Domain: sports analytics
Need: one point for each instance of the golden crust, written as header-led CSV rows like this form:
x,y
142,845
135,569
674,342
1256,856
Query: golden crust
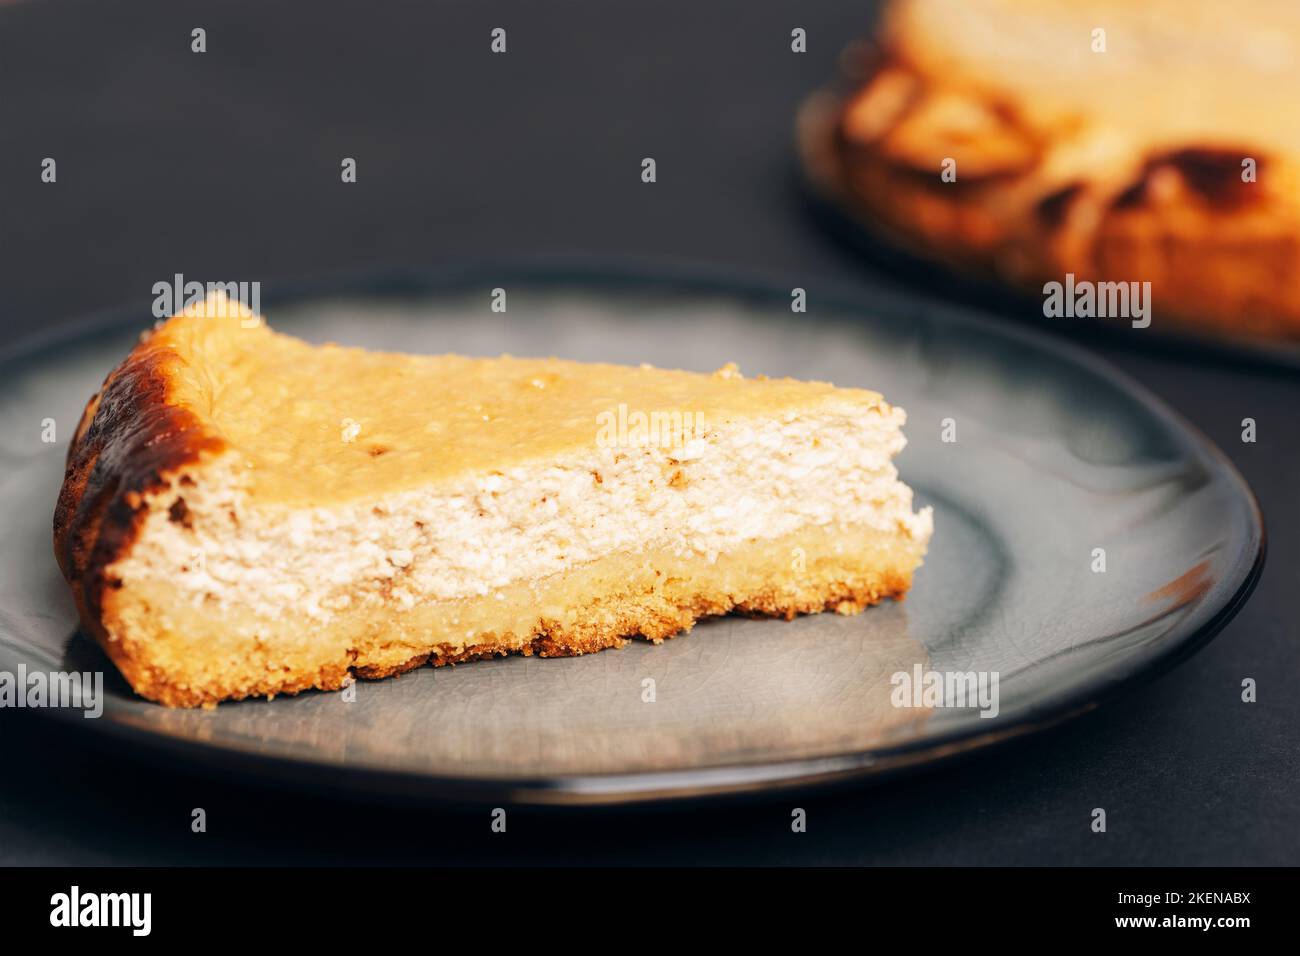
x,y
648,605
1041,192
639,619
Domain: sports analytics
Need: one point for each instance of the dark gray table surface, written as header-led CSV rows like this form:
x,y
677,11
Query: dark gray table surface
x,y
226,165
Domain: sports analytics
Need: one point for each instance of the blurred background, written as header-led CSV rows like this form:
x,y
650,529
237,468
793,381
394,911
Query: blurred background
x,y
227,165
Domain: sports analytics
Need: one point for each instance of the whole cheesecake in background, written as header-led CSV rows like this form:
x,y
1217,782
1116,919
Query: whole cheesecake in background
x,y
246,514
1116,141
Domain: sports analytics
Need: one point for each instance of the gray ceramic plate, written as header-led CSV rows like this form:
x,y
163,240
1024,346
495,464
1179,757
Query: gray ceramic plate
x,y
1056,455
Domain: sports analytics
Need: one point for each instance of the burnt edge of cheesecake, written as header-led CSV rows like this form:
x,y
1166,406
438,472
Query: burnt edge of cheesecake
x,y
130,441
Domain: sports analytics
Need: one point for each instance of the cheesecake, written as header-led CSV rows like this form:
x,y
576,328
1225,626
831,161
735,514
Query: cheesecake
x,y
1111,141
246,514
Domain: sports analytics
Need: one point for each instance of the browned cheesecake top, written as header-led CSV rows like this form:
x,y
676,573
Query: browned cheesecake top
x,y
315,424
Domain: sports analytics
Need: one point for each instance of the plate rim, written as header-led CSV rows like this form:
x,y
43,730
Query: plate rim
x,y
446,277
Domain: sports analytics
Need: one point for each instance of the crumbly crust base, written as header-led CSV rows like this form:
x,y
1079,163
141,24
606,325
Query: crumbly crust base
x,y
656,622
183,655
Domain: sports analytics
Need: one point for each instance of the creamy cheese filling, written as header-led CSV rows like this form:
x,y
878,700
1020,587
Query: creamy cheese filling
x,y
738,481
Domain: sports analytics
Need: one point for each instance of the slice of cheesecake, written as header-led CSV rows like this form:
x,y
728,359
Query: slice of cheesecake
x,y
246,514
